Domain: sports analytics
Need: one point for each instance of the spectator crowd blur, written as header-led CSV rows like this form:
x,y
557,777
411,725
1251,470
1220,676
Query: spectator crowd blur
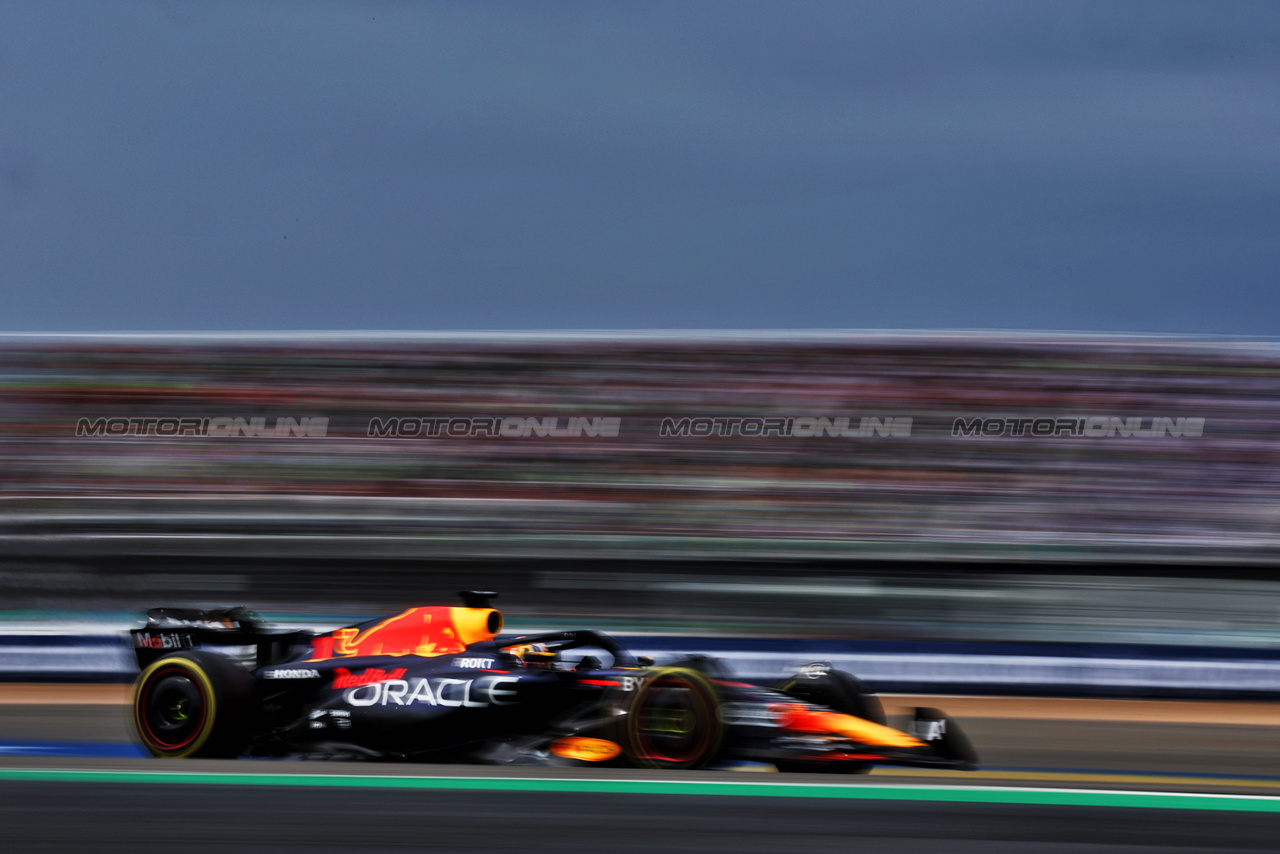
x,y
925,492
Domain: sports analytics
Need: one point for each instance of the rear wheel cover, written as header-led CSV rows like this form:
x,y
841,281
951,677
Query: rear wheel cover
x,y
174,707
672,721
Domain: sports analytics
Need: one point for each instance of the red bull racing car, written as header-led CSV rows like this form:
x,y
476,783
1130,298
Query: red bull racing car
x,y
440,684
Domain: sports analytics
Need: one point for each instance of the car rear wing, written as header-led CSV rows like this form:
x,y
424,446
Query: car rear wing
x,y
176,629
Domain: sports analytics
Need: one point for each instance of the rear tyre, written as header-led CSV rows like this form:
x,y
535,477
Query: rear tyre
x,y
193,704
671,721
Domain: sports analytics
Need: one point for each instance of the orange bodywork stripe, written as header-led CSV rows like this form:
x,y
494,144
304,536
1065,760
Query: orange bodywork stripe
x,y
800,719
585,749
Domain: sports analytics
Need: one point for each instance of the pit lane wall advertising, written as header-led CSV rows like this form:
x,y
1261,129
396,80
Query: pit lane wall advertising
x,y
1066,670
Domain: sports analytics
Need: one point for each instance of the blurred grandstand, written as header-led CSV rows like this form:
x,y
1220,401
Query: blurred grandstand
x,y
931,495
581,503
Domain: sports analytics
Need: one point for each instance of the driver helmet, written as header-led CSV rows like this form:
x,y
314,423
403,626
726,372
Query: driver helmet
x,y
537,656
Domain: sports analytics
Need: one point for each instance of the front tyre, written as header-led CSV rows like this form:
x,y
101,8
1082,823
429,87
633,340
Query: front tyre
x,y
672,721
192,704
837,690
841,692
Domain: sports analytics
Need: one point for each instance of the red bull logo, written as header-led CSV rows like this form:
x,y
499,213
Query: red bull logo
x,y
427,631
344,678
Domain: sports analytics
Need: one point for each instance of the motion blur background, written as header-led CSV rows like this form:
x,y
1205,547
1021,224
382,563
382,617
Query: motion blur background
x,y
592,223
186,174
1159,542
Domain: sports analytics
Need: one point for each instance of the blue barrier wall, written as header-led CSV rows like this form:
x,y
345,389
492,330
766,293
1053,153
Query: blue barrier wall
x,y
944,668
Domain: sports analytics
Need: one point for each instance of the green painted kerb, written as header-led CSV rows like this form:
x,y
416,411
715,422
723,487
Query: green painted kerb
x,y
1055,797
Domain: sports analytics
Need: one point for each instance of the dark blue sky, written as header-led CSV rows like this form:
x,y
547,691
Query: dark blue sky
x,y
447,166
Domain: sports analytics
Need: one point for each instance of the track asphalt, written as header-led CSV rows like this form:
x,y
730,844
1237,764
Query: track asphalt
x,y
1060,776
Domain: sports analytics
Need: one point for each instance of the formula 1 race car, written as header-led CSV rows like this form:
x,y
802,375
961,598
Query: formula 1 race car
x,y
439,684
